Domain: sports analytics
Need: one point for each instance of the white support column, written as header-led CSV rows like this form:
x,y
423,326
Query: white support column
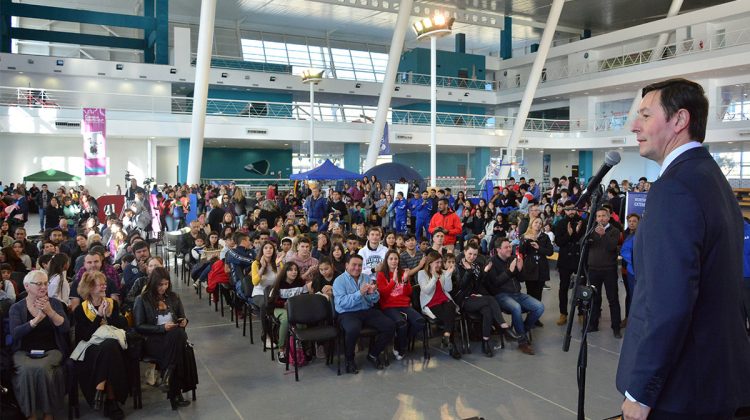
x,y
200,92
312,125
656,54
433,110
534,76
389,81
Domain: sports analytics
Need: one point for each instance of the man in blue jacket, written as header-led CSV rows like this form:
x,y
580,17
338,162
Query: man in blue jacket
x,y
316,206
240,258
686,353
423,212
354,299
399,206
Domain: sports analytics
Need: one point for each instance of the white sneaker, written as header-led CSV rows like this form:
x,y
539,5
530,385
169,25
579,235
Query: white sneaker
x,y
151,376
398,355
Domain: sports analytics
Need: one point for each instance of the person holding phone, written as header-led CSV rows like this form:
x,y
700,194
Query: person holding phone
x,y
39,328
160,317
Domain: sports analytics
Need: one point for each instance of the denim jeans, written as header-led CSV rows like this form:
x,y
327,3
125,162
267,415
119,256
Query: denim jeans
x,y
517,304
411,325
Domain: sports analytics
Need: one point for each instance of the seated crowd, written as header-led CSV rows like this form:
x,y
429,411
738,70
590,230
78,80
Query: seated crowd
x,y
386,262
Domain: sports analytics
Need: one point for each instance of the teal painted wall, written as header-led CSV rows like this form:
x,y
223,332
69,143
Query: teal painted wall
x,y
241,107
585,164
183,151
479,162
447,163
449,120
226,163
449,63
351,157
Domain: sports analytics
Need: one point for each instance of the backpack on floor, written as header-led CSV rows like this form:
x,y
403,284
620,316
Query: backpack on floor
x,y
298,358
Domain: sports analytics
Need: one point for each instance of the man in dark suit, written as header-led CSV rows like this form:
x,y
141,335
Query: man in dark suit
x,y
685,353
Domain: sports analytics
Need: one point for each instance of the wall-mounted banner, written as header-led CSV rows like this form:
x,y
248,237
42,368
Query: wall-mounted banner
x,y
94,130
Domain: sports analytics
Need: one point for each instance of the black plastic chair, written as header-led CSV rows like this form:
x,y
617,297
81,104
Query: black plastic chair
x,y
313,311
432,323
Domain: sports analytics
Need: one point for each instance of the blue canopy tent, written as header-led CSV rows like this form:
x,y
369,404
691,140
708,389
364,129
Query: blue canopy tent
x,y
325,171
393,172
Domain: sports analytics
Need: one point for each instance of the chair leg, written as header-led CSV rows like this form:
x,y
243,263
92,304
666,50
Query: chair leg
x,y
294,352
221,302
250,321
426,343
338,350
244,320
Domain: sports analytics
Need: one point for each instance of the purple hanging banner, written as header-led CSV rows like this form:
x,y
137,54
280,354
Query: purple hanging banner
x,y
94,130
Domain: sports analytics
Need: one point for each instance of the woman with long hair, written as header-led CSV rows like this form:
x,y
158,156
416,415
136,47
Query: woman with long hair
x,y
338,257
19,249
435,299
10,256
535,247
53,213
57,270
240,205
323,247
289,283
264,272
160,318
395,302
460,204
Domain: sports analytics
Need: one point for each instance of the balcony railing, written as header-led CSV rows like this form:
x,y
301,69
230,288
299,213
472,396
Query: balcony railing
x,y
54,99
629,58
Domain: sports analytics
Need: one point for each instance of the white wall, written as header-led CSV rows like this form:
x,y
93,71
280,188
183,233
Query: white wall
x,y
24,154
166,164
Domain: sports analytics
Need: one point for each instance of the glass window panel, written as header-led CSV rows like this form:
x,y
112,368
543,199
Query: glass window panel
x,y
352,113
365,76
345,74
342,59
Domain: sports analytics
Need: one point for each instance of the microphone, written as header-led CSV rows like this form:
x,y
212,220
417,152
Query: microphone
x,y
611,159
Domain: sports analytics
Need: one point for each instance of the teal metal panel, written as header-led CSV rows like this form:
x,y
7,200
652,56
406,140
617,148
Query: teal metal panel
x,y
480,162
73,38
149,32
585,164
506,39
5,22
351,157
183,154
75,15
162,32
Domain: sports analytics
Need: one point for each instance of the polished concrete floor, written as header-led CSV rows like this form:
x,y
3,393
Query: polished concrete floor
x,y
238,380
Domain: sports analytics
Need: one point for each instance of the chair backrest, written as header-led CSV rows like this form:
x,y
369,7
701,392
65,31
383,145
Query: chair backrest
x,y
308,309
171,238
415,293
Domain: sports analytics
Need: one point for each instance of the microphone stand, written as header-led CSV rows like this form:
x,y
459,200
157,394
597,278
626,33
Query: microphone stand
x,y
582,297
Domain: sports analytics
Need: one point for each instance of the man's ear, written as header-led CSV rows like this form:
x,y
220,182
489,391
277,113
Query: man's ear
x,y
681,120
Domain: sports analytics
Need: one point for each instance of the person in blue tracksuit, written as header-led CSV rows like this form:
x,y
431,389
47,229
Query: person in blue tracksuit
x,y
423,211
399,206
316,207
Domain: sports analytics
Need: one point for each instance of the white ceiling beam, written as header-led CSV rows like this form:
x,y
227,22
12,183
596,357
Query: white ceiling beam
x,y
111,32
462,15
